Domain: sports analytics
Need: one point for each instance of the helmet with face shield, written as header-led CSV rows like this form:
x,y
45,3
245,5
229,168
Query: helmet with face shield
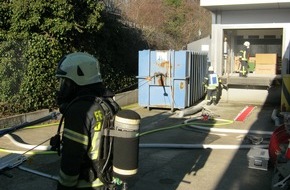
x,y
81,68
76,69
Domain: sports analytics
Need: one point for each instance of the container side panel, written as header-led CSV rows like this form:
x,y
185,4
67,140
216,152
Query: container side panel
x,y
160,96
180,69
143,92
161,66
143,72
180,64
180,94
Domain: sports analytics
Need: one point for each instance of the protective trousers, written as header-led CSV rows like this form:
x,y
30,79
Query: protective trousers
x,y
244,68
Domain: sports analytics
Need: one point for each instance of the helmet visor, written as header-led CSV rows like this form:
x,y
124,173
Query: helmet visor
x,y
59,71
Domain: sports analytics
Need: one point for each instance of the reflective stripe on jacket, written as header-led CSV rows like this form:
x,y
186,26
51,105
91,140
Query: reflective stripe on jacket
x,y
84,121
75,136
243,52
79,145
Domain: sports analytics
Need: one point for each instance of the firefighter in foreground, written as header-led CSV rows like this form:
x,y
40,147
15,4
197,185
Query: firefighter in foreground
x,y
90,115
212,87
244,56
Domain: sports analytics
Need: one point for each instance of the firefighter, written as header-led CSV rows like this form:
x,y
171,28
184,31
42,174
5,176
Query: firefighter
x,y
80,84
212,86
244,56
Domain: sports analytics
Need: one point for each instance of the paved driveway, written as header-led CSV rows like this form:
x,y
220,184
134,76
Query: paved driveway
x,y
173,158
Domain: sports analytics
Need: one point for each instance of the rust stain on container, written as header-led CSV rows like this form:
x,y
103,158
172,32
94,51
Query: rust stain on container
x,y
165,64
161,80
181,85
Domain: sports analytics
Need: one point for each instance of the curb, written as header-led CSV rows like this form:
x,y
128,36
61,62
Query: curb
x,y
22,118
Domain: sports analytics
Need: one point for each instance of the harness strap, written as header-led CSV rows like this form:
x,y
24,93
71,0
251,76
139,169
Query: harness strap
x,y
121,134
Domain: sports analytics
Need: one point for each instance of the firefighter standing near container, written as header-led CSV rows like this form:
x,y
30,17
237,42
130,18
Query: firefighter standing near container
x,y
212,87
82,99
244,57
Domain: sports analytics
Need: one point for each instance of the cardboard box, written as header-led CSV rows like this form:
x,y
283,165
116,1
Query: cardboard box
x,y
258,158
237,64
266,58
265,69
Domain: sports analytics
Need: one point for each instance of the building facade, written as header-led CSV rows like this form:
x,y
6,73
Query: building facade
x,y
266,25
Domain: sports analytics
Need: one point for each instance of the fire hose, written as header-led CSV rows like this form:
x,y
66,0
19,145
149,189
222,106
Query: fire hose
x,y
5,131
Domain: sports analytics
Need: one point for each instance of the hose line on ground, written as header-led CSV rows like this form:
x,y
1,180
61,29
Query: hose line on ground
x,y
190,123
205,146
40,149
224,122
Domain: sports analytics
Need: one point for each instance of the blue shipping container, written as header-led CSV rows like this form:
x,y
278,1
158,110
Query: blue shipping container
x,y
165,78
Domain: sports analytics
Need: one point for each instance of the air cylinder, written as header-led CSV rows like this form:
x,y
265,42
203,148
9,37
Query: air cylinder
x,y
126,144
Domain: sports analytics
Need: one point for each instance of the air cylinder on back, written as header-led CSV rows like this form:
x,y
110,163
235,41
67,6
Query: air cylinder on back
x,y
126,144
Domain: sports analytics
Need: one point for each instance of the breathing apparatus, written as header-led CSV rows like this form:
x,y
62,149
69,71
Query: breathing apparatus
x,y
119,142
126,144
118,145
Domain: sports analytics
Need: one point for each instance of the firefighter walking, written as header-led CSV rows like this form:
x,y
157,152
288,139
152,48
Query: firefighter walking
x,y
244,56
212,87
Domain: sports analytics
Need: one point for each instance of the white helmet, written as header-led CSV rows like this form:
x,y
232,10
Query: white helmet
x,y
246,43
210,68
81,68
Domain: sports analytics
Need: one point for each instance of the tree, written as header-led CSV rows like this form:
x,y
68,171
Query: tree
x,y
168,24
35,34
47,30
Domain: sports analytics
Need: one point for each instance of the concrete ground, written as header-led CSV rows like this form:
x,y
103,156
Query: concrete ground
x,y
161,167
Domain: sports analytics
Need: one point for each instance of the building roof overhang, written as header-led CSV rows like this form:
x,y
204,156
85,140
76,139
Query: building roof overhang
x,y
225,5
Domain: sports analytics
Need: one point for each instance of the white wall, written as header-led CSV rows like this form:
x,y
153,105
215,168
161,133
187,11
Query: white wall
x,y
217,41
243,2
255,16
248,14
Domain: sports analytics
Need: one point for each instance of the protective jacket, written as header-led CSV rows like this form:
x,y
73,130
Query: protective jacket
x,y
84,119
244,54
211,82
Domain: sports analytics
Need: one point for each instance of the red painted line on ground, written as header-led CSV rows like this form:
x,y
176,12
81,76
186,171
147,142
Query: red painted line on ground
x,y
244,113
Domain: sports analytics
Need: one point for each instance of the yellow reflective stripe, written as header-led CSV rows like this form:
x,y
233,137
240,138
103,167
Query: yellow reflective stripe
x,y
77,137
99,118
94,151
85,184
98,115
98,126
244,56
68,180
